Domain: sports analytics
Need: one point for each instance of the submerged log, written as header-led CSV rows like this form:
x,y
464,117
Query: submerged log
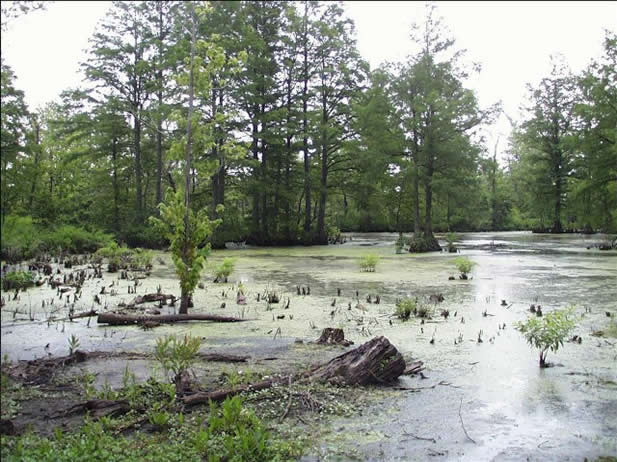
x,y
114,319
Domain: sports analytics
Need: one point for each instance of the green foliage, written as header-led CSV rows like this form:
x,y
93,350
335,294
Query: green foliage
x,y
73,344
121,257
176,355
23,238
235,433
463,265
451,238
224,270
20,239
369,262
405,308
187,252
547,332
72,239
17,280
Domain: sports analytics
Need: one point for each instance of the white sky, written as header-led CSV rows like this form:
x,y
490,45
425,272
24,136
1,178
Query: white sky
x,y
512,41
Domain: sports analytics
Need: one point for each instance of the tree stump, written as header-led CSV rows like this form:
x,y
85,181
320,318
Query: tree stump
x,y
376,361
333,336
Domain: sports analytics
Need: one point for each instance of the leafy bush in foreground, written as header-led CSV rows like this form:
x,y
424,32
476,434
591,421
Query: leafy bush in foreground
x,y
547,332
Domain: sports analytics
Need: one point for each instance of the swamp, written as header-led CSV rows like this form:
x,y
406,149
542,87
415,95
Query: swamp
x,y
480,394
251,231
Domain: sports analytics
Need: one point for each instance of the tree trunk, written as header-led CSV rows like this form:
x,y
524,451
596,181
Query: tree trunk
x,y
307,160
114,179
375,362
187,251
138,170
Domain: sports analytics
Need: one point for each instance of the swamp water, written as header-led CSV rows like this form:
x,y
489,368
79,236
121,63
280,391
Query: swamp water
x,y
479,401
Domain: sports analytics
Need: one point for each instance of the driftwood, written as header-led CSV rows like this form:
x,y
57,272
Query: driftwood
x,y
40,371
98,408
376,361
333,336
114,319
216,357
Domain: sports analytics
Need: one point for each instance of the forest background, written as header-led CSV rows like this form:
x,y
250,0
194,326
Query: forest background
x,y
295,137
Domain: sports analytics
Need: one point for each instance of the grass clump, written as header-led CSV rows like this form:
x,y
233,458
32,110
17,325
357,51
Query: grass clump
x,y
464,266
17,280
224,270
405,308
121,257
548,332
369,262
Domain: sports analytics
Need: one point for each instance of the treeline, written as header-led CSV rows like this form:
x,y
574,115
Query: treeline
x,y
296,137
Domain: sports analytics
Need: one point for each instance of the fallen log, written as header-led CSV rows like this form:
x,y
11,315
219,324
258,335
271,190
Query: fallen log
x,y
376,361
40,371
114,319
216,357
98,408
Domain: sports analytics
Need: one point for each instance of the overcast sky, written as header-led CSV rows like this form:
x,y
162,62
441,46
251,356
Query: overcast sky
x,y
512,40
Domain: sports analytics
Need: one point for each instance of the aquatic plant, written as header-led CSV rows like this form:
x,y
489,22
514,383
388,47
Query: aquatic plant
x,y
548,332
73,344
224,270
369,262
405,308
464,266
17,280
176,355
451,238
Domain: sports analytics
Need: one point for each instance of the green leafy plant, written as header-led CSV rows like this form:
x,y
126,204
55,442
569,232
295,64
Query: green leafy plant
x,y
464,266
235,433
224,270
547,332
369,262
405,308
451,238
17,280
73,344
176,355
159,418
187,232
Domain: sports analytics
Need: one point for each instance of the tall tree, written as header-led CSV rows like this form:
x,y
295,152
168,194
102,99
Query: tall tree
x,y
548,131
340,75
14,128
119,66
442,113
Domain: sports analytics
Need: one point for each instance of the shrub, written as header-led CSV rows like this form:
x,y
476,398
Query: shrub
x,y
463,265
72,239
224,270
17,280
405,308
19,239
451,238
548,332
369,262
175,355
